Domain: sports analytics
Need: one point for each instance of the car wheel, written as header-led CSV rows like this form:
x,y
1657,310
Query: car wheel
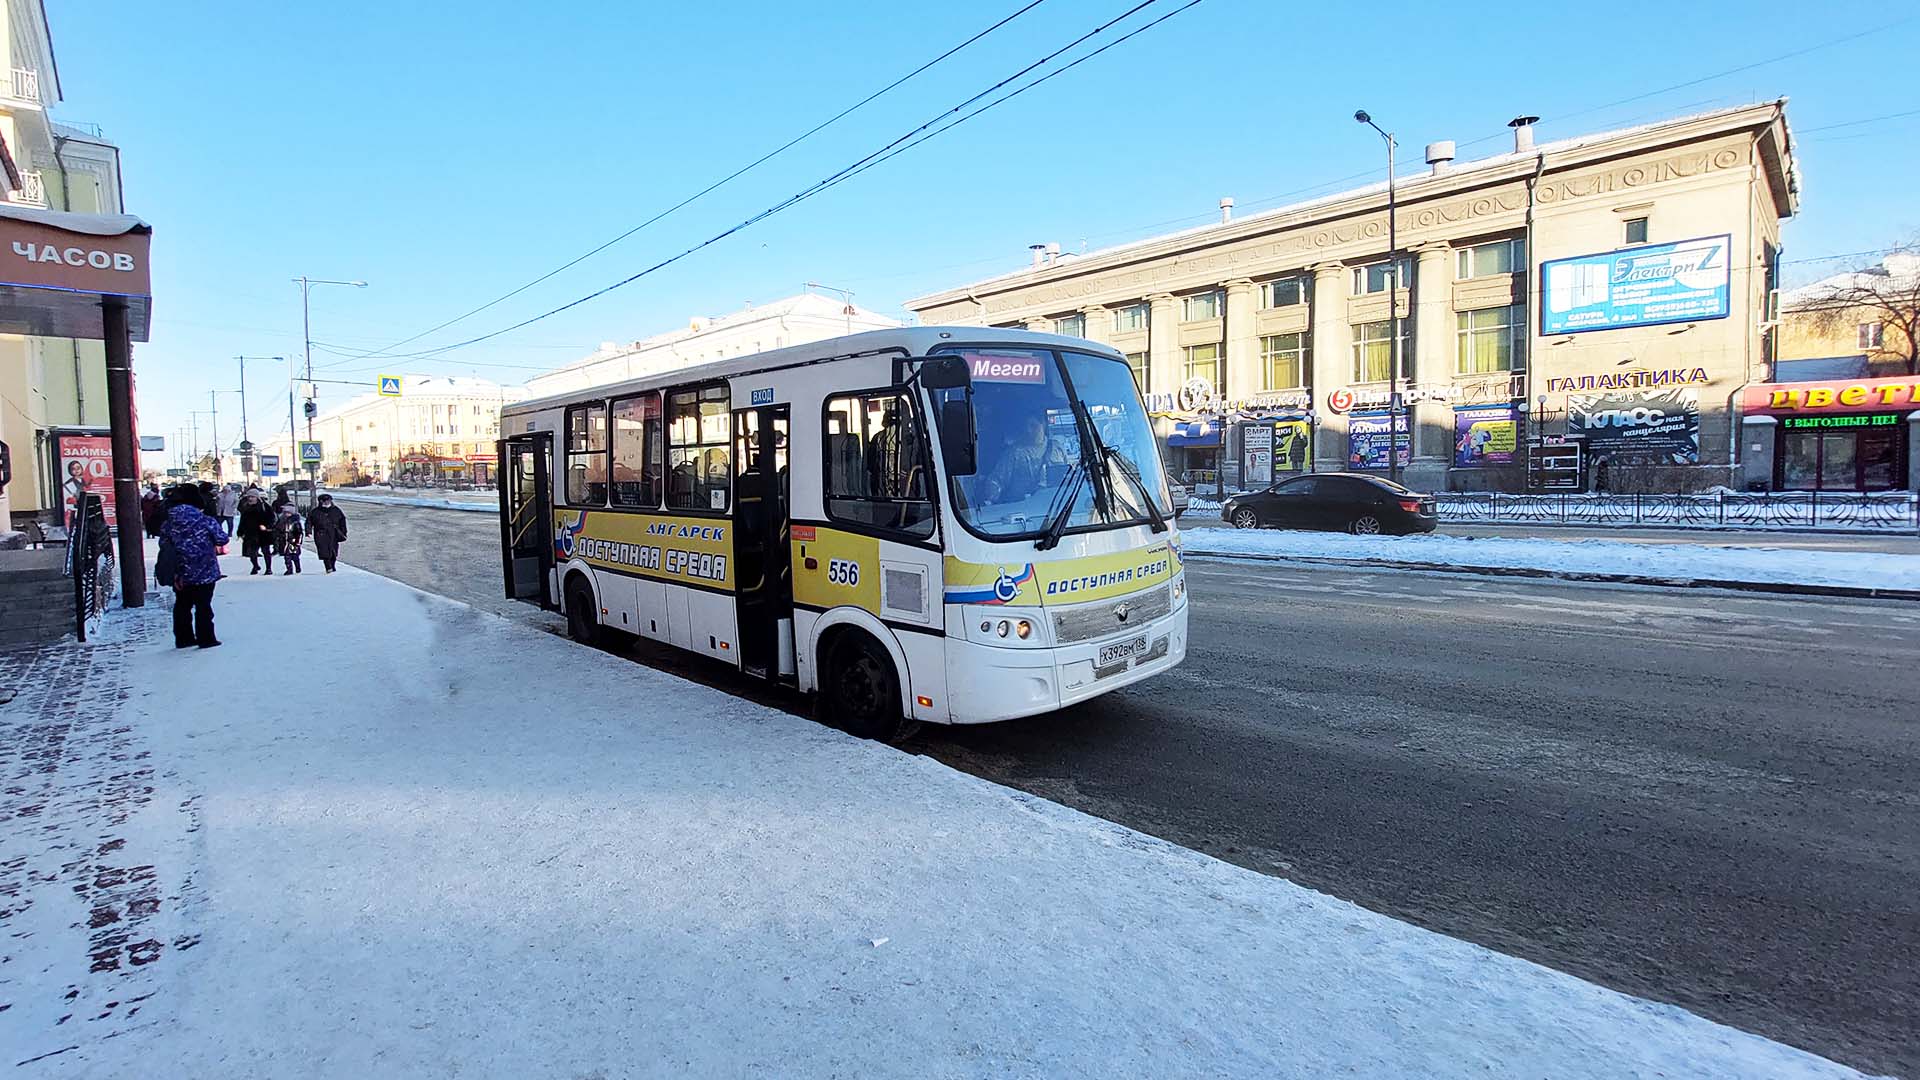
x,y
1245,518
862,693
583,625
1364,525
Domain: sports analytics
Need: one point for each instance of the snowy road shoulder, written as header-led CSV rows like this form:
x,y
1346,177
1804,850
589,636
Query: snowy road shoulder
x,y
475,504
1573,556
479,849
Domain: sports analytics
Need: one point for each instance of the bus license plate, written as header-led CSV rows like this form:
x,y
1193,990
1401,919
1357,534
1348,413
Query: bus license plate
x,y
1121,650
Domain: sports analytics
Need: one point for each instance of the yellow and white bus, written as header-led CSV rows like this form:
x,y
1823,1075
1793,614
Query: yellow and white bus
x,y
944,524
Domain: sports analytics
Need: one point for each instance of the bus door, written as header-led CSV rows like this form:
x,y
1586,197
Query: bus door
x,y
762,559
526,516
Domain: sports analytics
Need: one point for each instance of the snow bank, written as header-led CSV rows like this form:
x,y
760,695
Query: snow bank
x,y
473,848
1688,561
483,504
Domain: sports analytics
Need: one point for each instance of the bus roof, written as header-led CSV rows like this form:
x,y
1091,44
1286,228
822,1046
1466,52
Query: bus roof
x,y
908,340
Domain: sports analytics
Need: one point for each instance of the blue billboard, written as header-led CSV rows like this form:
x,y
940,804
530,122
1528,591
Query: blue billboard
x,y
1638,286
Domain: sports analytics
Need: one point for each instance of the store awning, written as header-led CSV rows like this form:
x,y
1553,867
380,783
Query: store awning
x,y
56,269
1194,433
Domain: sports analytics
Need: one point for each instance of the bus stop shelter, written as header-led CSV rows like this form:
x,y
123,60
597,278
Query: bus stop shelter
x,y
87,276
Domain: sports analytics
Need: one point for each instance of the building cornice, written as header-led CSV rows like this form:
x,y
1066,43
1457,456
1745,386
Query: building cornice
x,y
1557,157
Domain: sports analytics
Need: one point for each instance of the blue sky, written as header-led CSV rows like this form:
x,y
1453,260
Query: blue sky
x,y
447,153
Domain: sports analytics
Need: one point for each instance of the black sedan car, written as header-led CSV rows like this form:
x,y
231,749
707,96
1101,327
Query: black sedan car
x,y
1358,503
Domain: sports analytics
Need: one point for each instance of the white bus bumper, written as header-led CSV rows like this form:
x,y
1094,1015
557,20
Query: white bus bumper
x,y
986,683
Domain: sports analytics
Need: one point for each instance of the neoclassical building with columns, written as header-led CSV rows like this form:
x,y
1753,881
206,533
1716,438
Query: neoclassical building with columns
x,y
1591,306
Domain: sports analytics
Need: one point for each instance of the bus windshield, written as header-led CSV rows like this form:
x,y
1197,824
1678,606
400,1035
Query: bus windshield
x,y
1031,450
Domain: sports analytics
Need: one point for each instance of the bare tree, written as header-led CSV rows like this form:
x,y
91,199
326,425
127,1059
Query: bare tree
x,y
1886,293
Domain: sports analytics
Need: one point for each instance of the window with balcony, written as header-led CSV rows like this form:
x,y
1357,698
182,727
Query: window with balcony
x,y
1205,305
1284,358
1487,260
1492,339
1283,292
1130,319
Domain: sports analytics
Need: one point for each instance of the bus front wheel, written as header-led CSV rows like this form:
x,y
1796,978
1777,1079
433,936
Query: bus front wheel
x,y
583,625
861,693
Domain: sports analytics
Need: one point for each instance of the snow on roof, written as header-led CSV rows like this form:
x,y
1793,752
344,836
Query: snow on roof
x,y
1403,184
89,224
812,304
1898,270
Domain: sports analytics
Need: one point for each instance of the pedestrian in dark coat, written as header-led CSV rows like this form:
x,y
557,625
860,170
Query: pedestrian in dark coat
x,y
194,538
289,534
256,531
153,511
328,524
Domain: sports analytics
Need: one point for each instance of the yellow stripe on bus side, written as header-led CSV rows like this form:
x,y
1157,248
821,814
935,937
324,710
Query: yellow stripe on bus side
x,y
690,550
845,569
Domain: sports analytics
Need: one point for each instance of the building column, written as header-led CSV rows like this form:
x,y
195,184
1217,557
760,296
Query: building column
x,y
1332,364
1240,367
1430,363
1099,324
1039,323
1164,373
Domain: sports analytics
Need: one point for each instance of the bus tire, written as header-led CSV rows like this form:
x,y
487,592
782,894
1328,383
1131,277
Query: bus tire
x,y
583,624
861,693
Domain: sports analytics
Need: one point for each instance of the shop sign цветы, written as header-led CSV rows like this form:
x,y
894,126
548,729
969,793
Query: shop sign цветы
x,y
1856,396
1662,426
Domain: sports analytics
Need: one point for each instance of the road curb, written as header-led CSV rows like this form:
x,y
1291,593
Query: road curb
x,y
1789,588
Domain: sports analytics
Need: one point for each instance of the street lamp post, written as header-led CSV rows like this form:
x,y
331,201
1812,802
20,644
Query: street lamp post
x,y
1395,407
306,330
246,440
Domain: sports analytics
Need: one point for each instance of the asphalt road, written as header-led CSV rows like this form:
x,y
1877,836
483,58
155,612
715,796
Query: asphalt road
x,y
1701,798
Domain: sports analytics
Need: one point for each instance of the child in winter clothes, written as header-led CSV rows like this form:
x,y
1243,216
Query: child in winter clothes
x,y
289,532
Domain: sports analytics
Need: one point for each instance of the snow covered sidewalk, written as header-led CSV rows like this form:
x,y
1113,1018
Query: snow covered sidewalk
x,y
464,847
1773,569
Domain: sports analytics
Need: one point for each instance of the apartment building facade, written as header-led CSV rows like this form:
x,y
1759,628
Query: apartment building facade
x,y
50,387
1596,303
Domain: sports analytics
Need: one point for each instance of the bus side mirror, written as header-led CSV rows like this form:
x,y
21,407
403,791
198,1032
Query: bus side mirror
x,y
957,443
945,373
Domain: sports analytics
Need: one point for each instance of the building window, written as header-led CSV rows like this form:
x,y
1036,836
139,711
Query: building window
x,y
1493,339
1071,325
587,455
1871,335
639,452
1283,292
1130,319
876,464
697,425
1203,362
1204,306
1487,260
1284,358
1138,362
1372,278
1636,230
1372,357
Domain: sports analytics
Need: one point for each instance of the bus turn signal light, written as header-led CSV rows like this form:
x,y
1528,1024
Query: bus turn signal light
x,y
923,701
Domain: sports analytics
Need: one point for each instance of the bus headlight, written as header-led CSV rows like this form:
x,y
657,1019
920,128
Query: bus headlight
x,y
1179,589
1002,628
1024,629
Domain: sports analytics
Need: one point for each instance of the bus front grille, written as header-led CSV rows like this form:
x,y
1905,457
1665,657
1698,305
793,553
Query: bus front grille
x,y
1084,622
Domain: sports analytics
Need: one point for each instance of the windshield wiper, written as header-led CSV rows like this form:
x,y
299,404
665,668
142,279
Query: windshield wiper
x,y
1127,469
1057,520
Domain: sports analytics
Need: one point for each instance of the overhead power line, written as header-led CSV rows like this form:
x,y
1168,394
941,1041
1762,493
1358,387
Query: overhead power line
x,y
824,184
723,181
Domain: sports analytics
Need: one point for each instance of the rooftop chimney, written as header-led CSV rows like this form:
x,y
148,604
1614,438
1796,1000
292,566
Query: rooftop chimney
x,y
1039,253
1523,133
1053,253
1226,209
1440,156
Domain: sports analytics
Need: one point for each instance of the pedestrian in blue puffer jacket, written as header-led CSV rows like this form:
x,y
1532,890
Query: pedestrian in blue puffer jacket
x,y
194,538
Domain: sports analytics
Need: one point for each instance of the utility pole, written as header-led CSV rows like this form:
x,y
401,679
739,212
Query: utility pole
x,y
213,407
1395,407
306,332
246,440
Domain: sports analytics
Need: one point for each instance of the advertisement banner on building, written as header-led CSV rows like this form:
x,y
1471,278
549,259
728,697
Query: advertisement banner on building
x,y
1639,286
88,459
1655,427
1292,446
1256,455
1367,440
1485,435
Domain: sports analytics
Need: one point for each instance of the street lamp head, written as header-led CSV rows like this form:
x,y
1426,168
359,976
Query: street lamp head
x,y
1361,116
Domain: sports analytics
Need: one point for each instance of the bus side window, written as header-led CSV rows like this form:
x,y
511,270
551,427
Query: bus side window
x,y
876,464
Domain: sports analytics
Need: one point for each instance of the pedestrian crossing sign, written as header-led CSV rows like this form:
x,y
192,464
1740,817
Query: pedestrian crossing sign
x,y
389,386
309,453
